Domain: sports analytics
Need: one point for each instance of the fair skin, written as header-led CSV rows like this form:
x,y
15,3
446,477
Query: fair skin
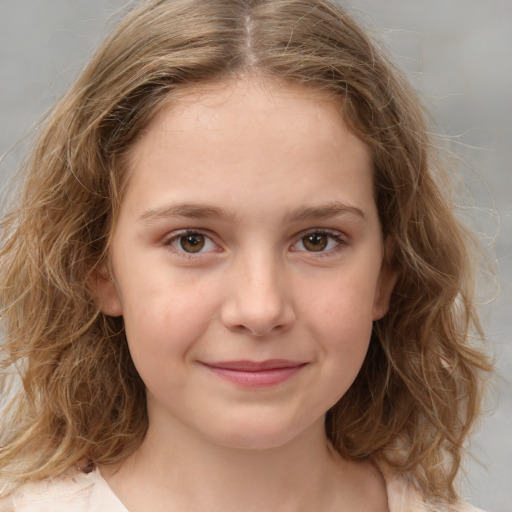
x,y
247,263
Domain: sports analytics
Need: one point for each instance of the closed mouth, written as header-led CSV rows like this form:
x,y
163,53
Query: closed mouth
x,y
256,374
255,366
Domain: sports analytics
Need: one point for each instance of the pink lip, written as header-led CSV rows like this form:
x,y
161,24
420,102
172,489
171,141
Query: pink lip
x,y
256,373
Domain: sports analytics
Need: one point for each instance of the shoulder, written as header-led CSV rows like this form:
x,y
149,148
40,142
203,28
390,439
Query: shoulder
x,y
403,497
68,493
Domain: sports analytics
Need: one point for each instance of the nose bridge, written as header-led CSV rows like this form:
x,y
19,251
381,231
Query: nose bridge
x,y
259,299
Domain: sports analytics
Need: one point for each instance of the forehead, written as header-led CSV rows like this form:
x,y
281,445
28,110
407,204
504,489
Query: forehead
x,y
276,138
228,108
247,101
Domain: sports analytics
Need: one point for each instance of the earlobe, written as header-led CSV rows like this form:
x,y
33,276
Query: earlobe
x,y
105,292
386,283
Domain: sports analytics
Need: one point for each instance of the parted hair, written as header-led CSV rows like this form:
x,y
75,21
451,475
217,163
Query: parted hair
x,y
71,395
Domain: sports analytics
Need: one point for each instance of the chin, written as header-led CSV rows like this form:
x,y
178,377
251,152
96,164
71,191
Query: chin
x,y
258,436
254,442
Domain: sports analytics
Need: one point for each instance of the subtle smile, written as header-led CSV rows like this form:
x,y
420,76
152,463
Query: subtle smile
x,y
256,374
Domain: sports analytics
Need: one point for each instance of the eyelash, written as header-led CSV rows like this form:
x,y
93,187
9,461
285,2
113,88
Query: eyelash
x,y
335,236
331,235
167,242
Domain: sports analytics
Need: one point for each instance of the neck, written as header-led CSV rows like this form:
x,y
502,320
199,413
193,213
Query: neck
x,y
195,474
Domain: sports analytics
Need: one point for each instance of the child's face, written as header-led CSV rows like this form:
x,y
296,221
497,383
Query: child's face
x,y
247,263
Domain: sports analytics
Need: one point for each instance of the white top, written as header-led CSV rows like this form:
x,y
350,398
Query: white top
x,y
91,493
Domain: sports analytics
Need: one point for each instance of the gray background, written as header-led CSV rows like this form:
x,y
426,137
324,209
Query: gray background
x,y
456,52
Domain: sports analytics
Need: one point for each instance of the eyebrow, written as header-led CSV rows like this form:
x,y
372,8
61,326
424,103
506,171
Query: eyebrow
x,y
187,210
204,211
326,211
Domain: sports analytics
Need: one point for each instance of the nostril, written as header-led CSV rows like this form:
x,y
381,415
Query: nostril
x,y
257,306
259,329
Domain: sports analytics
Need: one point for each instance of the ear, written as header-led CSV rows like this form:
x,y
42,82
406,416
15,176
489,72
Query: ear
x,y
105,292
386,282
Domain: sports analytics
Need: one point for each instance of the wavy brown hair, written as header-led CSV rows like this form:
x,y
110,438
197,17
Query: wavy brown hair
x,y
81,399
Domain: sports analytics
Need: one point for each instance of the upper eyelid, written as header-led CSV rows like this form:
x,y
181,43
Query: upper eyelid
x,y
328,231
187,231
339,236
171,237
325,231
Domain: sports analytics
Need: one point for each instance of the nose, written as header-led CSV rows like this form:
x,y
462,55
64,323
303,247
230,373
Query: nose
x,y
258,299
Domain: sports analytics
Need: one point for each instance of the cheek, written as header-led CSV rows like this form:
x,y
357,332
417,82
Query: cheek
x,y
340,319
164,321
341,325
341,304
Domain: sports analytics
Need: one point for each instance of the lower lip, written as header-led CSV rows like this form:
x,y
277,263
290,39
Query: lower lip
x,y
256,379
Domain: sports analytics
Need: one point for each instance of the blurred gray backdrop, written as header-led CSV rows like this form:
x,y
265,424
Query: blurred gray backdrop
x,y
458,53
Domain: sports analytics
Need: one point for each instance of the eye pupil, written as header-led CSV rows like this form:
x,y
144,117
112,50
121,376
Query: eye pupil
x,y
315,242
192,243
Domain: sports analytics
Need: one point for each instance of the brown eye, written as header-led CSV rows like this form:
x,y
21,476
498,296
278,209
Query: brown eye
x,y
315,242
192,243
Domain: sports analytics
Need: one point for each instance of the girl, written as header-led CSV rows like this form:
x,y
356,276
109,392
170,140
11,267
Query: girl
x,y
232,282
